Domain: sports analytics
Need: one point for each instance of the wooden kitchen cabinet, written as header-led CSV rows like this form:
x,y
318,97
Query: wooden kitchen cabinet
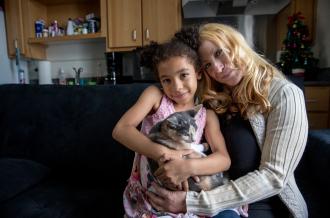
x,y
22,14
317,105
17,30
308,10
133,23
13,9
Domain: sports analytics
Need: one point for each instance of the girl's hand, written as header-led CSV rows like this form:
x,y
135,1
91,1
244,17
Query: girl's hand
x,y
172,154
169,201
173,173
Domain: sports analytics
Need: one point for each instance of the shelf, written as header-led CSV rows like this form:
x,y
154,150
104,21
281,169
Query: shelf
x,y
50,40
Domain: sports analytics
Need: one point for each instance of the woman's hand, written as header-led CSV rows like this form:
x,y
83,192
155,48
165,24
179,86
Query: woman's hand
x,y
174,173
167,201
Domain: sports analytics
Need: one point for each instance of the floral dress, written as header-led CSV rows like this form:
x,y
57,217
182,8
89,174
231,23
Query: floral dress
x,y
135,200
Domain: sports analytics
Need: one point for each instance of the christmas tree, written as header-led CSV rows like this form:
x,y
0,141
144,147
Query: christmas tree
x,y
296,56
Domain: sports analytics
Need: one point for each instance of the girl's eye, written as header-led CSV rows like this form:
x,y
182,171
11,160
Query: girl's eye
x,y
165,81
218,53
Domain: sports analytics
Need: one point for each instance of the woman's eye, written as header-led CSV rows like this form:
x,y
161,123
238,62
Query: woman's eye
x,y
184,75
218,53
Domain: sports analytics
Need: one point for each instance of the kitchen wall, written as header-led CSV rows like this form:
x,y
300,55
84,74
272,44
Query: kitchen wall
x,y
88,55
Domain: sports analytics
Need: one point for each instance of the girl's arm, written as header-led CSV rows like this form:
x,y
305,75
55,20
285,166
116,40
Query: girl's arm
x,y
178,170
218,160
126,131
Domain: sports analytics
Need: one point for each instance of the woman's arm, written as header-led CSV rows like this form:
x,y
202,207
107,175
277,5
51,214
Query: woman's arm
x,y
126,131
176,171
283,145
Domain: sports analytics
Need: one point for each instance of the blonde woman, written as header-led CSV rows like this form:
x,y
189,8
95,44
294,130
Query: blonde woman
x,y
263,119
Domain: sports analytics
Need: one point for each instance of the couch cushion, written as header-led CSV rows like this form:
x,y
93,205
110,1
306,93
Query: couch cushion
x,y
67,128
54,198
17,175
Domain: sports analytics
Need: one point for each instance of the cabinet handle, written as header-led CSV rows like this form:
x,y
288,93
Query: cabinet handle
x,y
134,35
147,34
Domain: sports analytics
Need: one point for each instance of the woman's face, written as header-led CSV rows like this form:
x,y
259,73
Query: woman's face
x,y
217,65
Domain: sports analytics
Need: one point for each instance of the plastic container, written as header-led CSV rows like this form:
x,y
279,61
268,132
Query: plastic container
x,y
61,77
70,27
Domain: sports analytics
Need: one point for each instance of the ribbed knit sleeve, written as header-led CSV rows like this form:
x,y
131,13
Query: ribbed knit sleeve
x,y
282,141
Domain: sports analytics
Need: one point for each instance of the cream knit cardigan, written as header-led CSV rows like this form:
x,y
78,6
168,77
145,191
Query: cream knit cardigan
x,y
281,136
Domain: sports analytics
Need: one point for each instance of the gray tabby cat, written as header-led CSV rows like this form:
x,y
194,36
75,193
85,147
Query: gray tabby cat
x,y
177,131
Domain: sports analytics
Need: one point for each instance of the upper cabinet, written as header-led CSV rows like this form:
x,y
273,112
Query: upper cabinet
x,y
17,31
125,24
133,23
13,14
308,10
21,16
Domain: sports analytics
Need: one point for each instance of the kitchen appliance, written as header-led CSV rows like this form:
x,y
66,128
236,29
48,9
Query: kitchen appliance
x,y
133,71
114,67
213,8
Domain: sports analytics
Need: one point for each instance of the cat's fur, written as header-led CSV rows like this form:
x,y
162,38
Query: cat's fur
x,y
177,131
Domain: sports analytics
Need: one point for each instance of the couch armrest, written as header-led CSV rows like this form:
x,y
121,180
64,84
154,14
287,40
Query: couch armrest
x,y
312,174
318,155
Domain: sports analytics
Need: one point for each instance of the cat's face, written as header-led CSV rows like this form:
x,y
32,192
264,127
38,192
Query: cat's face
x,y
181,126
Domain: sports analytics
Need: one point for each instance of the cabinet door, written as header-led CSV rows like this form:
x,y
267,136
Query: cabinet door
x,y
161,19
317,98
124,23
20,18
14,26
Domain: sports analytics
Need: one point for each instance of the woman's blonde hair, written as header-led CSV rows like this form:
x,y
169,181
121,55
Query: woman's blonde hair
x,y
250,95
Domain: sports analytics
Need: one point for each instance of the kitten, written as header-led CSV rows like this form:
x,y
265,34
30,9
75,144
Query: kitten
x,y
177,131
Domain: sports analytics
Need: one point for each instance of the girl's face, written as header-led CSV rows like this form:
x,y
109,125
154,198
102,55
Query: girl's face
x,y
179,80
217,65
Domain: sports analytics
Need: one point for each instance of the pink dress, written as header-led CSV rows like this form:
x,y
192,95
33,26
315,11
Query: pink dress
x,y
135,201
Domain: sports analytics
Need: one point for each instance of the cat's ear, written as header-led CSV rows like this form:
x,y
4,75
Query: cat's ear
x,y
195,110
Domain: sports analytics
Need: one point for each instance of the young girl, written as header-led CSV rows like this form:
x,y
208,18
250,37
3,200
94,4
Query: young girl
x,y
176,65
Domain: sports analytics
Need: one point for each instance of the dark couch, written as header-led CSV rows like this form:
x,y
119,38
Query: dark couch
x,y
58,159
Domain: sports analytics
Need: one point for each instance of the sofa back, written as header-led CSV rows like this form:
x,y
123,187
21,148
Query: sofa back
x,y
67,128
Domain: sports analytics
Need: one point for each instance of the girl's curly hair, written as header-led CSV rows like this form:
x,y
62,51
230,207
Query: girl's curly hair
x,y
153,54
190,36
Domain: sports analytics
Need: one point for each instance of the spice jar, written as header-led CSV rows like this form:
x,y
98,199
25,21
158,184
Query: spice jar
x,y
45,33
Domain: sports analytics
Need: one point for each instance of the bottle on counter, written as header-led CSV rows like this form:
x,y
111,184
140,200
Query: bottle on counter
x,y
61,77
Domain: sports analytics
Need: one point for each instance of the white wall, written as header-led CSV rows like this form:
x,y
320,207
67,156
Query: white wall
x,y
322,37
